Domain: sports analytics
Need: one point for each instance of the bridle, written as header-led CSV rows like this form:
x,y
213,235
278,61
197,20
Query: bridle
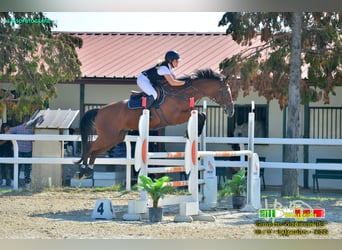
x,y
221,92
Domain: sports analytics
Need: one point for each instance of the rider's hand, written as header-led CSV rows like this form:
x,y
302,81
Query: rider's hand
x,y
188,83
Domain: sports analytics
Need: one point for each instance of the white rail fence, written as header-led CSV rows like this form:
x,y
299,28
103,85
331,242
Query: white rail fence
x,y
128,162
278,141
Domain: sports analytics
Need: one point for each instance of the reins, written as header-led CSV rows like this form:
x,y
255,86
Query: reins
x,y
186,98
214,98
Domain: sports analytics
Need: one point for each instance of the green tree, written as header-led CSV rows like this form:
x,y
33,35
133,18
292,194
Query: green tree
x,y
33,59
278,45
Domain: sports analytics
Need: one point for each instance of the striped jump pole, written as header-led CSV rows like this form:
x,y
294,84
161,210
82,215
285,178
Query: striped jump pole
x,y
189,204
142,156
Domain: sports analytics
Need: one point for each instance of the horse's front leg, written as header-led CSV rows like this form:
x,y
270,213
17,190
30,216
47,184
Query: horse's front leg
x,y
201,121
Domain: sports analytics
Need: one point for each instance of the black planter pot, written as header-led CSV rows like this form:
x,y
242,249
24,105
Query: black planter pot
x,y
155,214
239,202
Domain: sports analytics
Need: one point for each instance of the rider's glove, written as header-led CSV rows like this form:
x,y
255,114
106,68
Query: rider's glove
x,y
188,83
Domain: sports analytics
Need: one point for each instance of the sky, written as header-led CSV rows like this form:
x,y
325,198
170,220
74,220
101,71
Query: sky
x,y
137,21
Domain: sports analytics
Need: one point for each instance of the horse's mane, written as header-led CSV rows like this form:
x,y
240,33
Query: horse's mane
x,y
202,74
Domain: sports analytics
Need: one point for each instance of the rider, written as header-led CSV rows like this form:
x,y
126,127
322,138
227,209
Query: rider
x,y
161,71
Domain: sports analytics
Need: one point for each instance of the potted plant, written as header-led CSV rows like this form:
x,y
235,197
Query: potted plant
x,y
235,187
156,188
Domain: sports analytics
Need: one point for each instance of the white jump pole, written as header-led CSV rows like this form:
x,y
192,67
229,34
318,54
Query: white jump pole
x,y
209,189
138,207
189,205
253,173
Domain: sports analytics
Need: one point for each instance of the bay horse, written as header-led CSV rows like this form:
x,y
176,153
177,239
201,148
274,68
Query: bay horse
x,y
112,122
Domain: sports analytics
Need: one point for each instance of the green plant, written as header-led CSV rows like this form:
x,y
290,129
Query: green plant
x,y
236,186
156,189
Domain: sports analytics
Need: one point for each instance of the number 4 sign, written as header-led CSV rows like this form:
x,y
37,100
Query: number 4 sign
x,y
103,210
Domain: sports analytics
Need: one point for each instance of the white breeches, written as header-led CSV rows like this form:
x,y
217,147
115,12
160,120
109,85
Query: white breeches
x,y
146,86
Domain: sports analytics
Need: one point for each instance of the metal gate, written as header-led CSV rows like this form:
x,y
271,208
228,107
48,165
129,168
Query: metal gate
x,y
324,122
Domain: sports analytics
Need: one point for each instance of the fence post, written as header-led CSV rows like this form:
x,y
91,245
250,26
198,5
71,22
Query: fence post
x,y
15,165
128,166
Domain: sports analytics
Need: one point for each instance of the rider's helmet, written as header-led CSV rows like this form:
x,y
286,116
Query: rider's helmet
x,y
171,55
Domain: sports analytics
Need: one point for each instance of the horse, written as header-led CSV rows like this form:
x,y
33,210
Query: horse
x,y
112,122
242,129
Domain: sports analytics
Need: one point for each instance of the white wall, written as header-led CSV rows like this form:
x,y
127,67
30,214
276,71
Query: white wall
x,y
68,98
107,93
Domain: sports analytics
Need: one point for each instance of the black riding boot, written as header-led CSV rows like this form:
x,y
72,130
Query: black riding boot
x,y
149,101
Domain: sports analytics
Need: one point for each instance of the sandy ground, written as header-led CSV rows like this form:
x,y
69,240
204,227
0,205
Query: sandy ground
x,y
57,214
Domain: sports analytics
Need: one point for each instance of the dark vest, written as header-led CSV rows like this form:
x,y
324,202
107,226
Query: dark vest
x,y
152,73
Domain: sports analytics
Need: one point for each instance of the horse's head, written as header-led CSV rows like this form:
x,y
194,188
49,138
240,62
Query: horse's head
x,y
214,86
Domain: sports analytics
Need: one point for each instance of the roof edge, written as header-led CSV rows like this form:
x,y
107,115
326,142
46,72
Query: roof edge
x,y
141,33
103,80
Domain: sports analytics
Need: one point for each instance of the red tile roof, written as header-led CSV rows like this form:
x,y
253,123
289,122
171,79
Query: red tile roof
x,y
125,55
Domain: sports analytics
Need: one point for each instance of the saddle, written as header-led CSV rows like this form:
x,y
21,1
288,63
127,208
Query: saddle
x,y
135,99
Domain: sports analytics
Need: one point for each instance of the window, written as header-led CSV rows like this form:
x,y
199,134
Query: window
x,y
219,125
324,122
238,124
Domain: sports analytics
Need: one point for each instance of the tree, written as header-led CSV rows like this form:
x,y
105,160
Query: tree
x,y
290,176
283,42
33,60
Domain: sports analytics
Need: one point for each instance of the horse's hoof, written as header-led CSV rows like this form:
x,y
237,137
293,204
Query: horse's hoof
x,y
78,176
85,172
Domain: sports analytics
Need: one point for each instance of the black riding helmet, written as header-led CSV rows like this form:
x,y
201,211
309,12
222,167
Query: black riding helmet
x,y
171,55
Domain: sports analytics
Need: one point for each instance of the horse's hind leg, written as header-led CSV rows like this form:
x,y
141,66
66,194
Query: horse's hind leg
x,y
97,147
84,170
100,145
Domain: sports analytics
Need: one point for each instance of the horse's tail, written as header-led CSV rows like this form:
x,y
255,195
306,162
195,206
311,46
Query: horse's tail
x,y
87,130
